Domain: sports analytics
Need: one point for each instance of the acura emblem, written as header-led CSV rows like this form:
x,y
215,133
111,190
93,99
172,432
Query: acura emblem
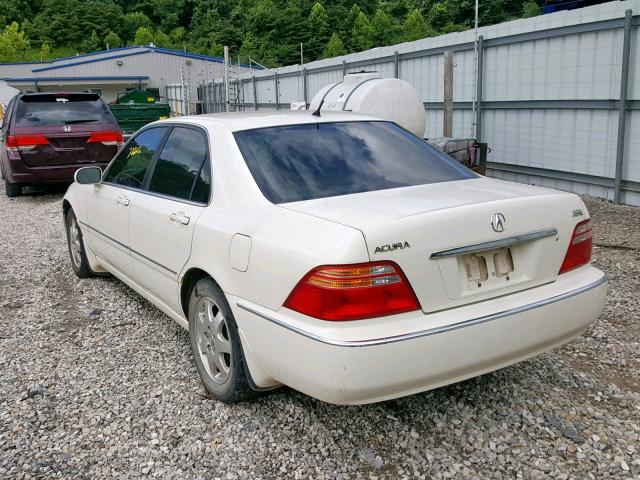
x,y
66,128
498,222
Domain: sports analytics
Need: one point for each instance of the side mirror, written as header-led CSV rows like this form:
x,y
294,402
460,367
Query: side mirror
x,y
88,175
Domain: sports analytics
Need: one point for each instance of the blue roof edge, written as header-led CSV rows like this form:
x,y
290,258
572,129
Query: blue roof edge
x,y
74,79
154,48
93,60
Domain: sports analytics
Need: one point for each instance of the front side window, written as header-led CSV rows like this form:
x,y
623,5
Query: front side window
x,y
303,162
131,165
179,169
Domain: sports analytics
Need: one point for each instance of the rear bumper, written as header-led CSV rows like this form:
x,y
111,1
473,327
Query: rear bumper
x,y
16,171
374,360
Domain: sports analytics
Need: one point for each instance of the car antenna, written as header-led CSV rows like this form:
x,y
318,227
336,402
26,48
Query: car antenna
x,y
317,112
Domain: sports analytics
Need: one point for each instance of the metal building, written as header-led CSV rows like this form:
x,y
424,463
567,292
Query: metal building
x,y
111,71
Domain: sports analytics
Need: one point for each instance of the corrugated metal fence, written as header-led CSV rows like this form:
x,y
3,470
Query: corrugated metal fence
x,y
559,97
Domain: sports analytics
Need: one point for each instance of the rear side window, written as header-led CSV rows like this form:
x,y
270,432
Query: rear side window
x,y
130,166
302,162
179,168
62,109
202,188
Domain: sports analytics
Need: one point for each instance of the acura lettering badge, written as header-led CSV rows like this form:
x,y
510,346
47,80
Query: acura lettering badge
x,y
66,128
498,222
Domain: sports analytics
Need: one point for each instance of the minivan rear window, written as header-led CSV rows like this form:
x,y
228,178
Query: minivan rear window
x,y
303,162
62,109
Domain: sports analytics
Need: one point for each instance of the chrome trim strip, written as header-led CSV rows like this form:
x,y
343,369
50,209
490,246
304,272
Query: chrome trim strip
x,y
430,331
503,242
130,250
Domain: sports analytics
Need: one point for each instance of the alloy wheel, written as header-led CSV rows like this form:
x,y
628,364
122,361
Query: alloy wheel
x,y
214,342
74,242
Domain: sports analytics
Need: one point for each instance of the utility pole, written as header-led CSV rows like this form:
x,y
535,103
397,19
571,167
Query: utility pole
x,y
447,127
476,57
301,55
226,80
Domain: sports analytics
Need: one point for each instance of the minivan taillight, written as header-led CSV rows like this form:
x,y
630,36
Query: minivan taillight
x,y
353,292
25,142
579,251
107,138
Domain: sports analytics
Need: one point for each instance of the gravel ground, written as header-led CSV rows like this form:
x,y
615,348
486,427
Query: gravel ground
x,y
95,382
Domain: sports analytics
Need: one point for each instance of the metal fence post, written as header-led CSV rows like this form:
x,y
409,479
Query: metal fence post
x,y
480,77
255,96
304,88
275,78
344,68
211,106
622,109
447,126
396,65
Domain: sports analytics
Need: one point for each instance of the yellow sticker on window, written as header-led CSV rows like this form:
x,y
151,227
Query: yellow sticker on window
x,y
137,150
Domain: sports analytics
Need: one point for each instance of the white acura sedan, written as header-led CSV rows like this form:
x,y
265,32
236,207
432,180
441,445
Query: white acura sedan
x,y
339,255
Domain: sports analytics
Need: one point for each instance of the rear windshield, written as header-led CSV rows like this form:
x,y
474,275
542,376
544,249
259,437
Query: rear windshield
x,y
302,162
67,109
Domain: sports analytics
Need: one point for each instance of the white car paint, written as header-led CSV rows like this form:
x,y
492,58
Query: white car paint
x,y
257,252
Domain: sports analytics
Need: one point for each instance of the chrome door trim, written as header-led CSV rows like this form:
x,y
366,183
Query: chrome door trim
x,y
430,331
503,242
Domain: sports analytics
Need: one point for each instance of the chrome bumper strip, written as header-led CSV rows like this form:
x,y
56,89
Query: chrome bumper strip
x,y
503,242
431,331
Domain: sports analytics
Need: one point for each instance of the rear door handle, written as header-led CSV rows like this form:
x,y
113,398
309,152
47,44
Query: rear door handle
x,y
124,201
179,218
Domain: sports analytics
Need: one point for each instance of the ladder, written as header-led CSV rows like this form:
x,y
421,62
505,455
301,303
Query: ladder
x,y
236,90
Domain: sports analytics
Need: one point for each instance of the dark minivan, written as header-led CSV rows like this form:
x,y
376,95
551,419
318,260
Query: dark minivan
x,y
46,137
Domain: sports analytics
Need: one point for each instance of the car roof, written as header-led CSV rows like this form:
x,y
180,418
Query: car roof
x,y
236,121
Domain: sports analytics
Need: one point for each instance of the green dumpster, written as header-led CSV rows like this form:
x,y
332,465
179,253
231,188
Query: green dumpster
x,y
136,96
135,108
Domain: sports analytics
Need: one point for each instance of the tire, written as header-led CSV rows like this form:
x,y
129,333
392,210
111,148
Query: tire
x,y
215,344
12,189
75,243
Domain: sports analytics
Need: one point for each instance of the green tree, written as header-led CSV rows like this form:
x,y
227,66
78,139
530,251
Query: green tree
x,y
415,28
345,28
131,22
530,8
362,34
44,53
318,29
143,36
161,39
92,44
14,11
334,47
112,40
178,36
13,43
384,29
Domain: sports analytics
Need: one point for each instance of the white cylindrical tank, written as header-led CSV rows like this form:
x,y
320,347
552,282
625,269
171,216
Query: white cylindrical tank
x,y
388,98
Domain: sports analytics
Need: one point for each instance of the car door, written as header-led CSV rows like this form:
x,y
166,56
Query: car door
x,y
162,219
110,205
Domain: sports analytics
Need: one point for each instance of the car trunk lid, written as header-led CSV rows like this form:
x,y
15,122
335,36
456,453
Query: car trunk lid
x,y
442,237
63,145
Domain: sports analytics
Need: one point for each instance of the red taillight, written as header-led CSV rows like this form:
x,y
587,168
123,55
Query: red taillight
x,y
107,138
26,141
579,251
353,292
